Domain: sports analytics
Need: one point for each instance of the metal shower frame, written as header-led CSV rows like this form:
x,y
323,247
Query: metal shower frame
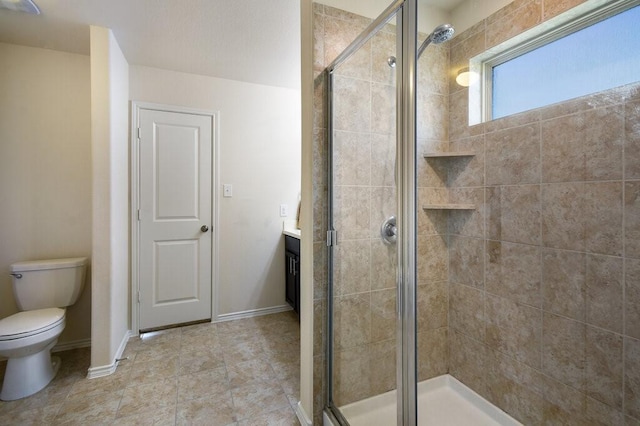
x,y
406,274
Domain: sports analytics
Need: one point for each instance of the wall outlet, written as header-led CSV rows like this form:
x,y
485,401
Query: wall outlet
x,y
227,190
284,210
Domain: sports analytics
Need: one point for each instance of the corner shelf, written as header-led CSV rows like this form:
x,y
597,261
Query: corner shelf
x,y
449,207
452,154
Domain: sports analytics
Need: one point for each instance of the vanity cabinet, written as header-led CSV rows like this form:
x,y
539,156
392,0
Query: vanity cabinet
x,y
292,269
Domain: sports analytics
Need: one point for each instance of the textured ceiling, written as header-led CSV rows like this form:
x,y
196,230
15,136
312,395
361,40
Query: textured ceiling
x,y
255,41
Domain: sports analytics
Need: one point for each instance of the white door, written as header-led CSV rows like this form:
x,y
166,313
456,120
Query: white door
x,y
175,174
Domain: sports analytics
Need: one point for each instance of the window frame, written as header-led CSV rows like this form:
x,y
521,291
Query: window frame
x,y
574,20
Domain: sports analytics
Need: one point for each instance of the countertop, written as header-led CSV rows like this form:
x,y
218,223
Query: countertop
x,y
292,232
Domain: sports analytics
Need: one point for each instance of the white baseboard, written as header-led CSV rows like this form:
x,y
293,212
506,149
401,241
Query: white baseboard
x,y
303,418
253,313
76,344
106,370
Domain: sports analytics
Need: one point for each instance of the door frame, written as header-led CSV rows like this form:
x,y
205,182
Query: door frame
x,y
134,192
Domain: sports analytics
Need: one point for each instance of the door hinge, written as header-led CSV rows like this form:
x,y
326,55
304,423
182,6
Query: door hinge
x,y
332,238
139,296
138,214
138,133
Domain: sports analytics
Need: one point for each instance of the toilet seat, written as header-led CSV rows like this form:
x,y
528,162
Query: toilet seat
x,y
29,323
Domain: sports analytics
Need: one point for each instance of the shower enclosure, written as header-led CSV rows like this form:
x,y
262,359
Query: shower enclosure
x,y
373,276
497,262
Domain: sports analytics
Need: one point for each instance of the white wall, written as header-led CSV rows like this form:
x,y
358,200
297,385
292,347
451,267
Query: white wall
x,y
429,17
45,167
110,141
470,12
259,154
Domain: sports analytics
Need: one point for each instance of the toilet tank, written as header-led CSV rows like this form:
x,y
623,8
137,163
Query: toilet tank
x,y
53,283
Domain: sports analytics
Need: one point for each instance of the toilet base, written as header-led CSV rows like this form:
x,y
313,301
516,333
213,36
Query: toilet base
x,y
27,375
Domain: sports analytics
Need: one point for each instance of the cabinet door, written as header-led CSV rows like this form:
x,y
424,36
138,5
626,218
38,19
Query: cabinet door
x,y
296,272
290,294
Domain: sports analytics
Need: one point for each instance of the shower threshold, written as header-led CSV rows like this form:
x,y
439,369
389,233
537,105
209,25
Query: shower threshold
x,y
442,401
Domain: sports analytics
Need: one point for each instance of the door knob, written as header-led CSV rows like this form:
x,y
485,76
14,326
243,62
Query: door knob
x,y
204,228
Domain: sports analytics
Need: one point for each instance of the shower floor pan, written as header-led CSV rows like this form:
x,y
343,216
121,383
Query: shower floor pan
x,y
442,401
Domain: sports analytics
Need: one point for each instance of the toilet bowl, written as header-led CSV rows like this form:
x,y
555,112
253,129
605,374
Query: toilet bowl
x,y
26,339
42,289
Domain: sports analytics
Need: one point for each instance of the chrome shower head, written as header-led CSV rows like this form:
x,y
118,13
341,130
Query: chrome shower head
x,y
439,35
442,33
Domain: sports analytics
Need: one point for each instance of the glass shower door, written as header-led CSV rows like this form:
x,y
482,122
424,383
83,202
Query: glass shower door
x,y
363,325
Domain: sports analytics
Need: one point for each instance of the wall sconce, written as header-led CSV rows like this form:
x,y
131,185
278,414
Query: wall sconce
x,y
466,78
26,6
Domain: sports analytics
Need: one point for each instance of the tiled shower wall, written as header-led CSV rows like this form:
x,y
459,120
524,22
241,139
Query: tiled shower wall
x,y
545,274
537,291
364,159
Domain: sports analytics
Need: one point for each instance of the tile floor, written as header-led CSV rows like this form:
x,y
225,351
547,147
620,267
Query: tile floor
x,y
243,372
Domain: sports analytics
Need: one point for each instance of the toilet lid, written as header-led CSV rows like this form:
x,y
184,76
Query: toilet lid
x,y
29,322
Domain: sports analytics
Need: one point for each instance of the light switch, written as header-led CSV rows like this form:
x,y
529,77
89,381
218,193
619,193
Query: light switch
x,y
284,210
227,190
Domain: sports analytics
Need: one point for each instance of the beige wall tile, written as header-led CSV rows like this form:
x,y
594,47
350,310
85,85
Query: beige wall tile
x,y
383,206
383,109
339,33
467,358
563,350
466,171
432,116
604,366
351,375
466,311
514,271
352,212
632,294
513,156
604,292
433,70
433,353
469,223
466,261
383,315
514,213
502,26
515,387
383,46
597,413
352,267
563,404
351,158
352,321
459,117
432,305
382,366
563,216
603,218
351,98
632,377
432,258
632,219
514,329
563,283
383,265
632,141
383,160
555,7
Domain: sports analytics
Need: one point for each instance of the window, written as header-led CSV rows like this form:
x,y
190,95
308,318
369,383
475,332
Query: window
x,y
597,51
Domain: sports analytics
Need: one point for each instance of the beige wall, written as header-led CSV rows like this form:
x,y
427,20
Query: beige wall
x,y
110,251
45,168
259,154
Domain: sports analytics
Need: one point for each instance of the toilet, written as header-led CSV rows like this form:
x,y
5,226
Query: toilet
x,y
42,289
